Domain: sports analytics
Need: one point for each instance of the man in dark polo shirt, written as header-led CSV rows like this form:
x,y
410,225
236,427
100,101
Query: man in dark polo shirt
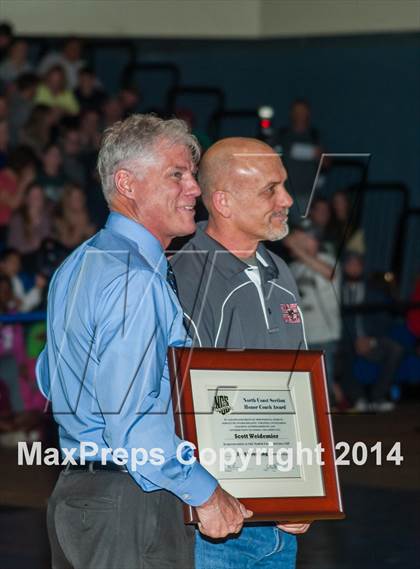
x,y
237,294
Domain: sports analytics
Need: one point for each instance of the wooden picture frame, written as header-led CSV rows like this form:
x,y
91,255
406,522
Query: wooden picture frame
x,y
265,394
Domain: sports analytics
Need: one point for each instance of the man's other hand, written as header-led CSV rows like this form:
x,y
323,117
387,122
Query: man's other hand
x,y
294,528
221,515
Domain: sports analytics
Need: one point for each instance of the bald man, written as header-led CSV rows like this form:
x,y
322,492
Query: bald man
x,y
236,294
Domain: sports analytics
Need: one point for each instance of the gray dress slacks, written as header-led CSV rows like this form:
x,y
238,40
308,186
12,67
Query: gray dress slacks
x,y
104,520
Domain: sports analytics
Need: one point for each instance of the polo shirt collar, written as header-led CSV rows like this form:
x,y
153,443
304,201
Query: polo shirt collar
x,y
147,244
227,263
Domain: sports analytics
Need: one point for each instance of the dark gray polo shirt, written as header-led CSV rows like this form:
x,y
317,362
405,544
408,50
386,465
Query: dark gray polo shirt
x,y
228,303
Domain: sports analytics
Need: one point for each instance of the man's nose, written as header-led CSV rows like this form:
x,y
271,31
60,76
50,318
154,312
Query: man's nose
x,y
289,200
193,189
285,199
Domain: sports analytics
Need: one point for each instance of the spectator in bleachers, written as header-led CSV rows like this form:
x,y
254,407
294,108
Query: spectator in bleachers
x,y
21,103
17,376
15,63
6,417
70,59
34,402
4,142
6,38
73,164
320,215
24,300
4,107
51,176
112,112
90,138
413,315
365,336
300,146
129,97
37,131
343,227
90,134
31,223
89,92
318,281
14,180
54,92
189,117
12,351
50,255
72,221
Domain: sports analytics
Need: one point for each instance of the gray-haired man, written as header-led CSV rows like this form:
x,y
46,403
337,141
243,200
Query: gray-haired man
x,y
111,316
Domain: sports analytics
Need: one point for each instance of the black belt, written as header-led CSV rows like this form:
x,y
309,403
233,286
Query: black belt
x,y
92,466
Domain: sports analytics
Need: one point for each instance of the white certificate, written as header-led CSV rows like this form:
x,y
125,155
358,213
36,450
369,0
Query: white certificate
x,y
259,420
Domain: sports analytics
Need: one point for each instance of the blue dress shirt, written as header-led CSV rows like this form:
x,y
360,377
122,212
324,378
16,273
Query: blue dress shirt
x,y
111,317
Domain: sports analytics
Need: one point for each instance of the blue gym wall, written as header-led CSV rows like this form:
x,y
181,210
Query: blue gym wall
x,y
365,97
364,90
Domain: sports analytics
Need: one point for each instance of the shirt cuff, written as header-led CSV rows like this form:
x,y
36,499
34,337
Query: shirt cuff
x,y
199,486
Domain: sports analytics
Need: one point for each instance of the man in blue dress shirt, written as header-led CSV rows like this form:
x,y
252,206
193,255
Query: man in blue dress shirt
x,y
112,313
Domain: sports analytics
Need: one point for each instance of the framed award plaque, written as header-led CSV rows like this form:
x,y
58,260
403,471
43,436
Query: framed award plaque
x,y
259,422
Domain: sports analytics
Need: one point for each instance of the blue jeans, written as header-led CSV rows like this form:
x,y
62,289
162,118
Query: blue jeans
x,y
259,546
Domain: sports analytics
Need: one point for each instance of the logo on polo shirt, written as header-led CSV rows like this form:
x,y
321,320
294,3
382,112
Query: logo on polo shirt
x,y
290,313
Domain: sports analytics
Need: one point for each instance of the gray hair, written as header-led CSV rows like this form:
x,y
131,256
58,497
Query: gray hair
x,y
135,138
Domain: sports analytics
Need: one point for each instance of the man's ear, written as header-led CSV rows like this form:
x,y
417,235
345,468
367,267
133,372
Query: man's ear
x,y
220,200
123,183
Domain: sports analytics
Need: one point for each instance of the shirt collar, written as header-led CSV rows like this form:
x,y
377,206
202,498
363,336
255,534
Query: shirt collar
x,y
227,263
147,244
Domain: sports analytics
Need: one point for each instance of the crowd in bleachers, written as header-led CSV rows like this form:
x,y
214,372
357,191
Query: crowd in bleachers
x,y
52,114
327,260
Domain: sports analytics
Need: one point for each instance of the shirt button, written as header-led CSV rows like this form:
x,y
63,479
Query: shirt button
x,y
185,496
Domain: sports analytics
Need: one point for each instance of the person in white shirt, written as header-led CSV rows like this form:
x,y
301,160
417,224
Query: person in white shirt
x,y
69,58
318,279
10,265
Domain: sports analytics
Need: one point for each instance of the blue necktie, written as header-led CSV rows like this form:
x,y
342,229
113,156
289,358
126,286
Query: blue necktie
x,y
170,277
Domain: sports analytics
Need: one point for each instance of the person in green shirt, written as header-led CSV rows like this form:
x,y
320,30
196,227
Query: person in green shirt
x,y
53,92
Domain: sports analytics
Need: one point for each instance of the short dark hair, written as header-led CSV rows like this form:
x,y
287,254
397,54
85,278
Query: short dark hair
x,y
54,68
6,29
26,81
320,199
301,101
71,39
88,69
6,279
8,252
21,157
